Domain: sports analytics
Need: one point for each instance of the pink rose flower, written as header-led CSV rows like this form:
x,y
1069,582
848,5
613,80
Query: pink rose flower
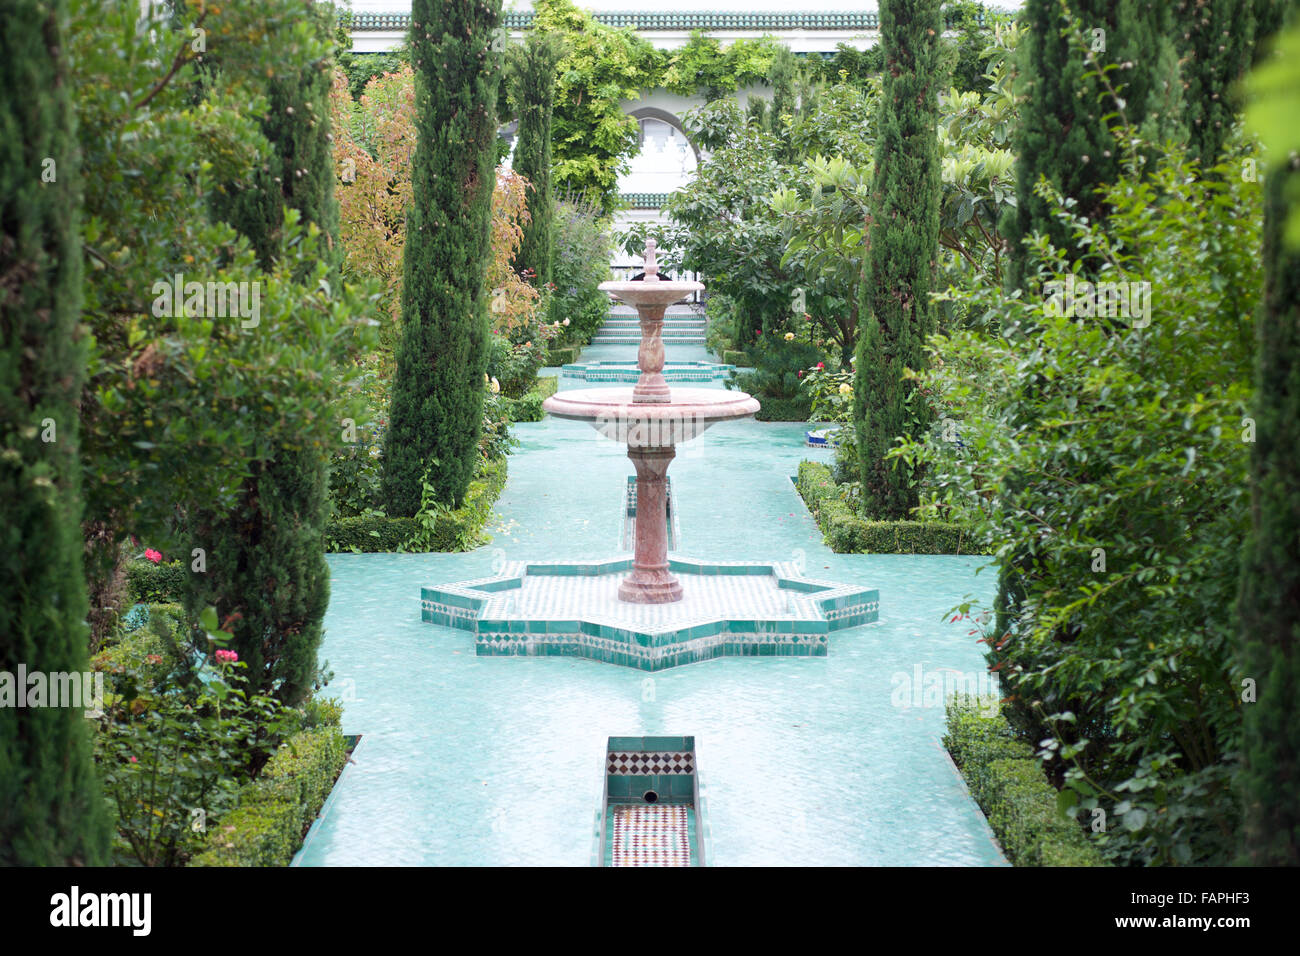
x,y
228,657
152,555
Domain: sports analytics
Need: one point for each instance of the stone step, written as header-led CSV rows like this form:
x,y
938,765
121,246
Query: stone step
x,y
682,323
667,333
637,341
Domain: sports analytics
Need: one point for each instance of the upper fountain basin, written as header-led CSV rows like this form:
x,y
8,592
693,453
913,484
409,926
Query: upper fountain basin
x,y
612,412
650,292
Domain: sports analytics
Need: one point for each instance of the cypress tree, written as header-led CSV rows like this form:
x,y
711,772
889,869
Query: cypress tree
x,y
535,78
437,403
1062,134
299,174
266,571
51,809
1268,605
1217,40
904,245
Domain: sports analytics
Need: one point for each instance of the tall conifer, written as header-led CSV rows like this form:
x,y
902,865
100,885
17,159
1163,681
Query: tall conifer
x,y
1268,605
904,240
51,809
265,571
535,83
437,405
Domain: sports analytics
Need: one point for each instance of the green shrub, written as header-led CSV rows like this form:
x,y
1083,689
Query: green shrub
x,y
528,408
513,365
149,583
1007,782
795,409
160,636
277,808
847,532
459,530
556,358
581,263
179,734
778,368
736,358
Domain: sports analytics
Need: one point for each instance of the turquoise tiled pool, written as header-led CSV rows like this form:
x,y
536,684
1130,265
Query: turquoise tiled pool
x,y
472,760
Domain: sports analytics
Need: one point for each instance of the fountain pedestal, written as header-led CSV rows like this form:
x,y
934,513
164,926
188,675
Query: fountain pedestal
x,y
651,386
650,581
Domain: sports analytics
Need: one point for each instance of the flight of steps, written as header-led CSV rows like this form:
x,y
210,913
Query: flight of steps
x,y
683,325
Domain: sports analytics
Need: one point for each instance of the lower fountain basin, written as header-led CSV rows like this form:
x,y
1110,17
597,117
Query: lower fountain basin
x,y
613,414
729,609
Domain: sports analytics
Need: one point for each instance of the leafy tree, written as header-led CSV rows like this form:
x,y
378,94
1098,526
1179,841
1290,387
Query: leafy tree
x,y
1124,484
1268,605
184,403
535,78
592,137
729,231
51,811
702,66
437,401
374,148
298,172
360,68
850,65
904,242
268,574
967,54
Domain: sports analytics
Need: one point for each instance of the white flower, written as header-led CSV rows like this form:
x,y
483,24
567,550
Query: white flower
x,y
496,386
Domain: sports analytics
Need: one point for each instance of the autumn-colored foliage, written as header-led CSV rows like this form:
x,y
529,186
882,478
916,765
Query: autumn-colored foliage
x,y
374,146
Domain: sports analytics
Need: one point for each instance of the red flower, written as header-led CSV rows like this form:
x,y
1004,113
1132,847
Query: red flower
x,y
153,555
821,364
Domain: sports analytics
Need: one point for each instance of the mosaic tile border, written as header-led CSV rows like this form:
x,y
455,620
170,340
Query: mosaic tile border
x,y
642,762
822,606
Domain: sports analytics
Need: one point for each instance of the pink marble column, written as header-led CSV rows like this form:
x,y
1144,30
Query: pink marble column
x,y
650,581
651,386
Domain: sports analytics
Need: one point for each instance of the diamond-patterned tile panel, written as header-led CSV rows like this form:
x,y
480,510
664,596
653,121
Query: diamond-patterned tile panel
x,y
644,763
654,835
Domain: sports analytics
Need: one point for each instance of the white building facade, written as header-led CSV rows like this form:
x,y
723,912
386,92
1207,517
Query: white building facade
x,y
667,159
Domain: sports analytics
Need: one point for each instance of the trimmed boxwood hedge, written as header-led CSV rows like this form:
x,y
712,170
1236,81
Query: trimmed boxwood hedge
x,y
565,356
149,583
795,409
275,810
528,407
461,530
736,358
1007,782
847,532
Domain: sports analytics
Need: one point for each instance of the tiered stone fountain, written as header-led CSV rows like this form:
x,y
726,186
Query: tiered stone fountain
x,y
652,422
637,612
